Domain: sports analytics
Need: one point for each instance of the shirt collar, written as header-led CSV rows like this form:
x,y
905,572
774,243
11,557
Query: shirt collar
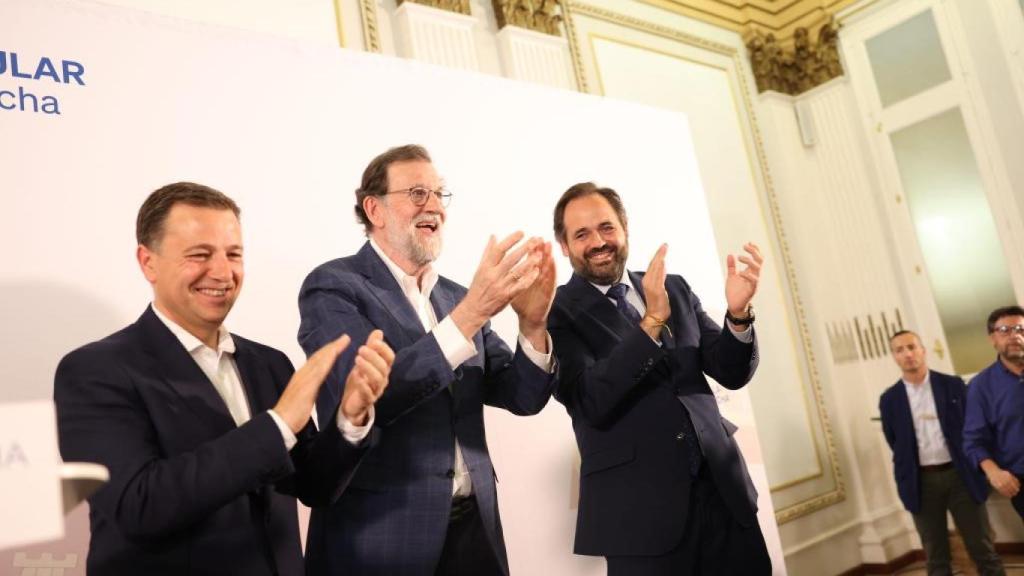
x,y
604,288
922,386
224,341
408,283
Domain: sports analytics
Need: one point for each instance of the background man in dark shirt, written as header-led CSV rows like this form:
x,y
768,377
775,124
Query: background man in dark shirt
x,y
994,427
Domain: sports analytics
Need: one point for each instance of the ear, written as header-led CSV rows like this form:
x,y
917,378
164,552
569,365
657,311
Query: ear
x,y
373,206
147,264
565,248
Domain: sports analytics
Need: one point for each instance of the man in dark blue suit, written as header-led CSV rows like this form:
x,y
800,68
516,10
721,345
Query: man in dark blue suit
x,y
424,502
207,436
663,487
923,422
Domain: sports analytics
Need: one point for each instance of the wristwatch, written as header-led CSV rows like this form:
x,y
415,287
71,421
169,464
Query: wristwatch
x,y
741,321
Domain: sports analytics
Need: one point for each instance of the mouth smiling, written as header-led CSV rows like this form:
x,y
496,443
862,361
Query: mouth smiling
x,y
212,292
429,225
601,255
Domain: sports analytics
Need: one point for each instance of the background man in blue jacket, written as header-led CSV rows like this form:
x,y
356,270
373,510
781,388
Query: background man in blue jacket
x,y
923,421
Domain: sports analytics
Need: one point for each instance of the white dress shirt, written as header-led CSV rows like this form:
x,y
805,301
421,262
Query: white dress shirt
x,y
219,366
633,297
931,443
454,346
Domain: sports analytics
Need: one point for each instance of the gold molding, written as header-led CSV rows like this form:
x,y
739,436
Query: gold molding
x,y
371,34
745,16
574,8
537,15
456,6
574,49
338,23
799,69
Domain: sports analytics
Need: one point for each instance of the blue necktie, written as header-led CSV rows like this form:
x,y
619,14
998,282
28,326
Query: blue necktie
x,y
618,293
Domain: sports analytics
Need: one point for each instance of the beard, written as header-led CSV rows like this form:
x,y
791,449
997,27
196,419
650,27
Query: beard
x,y
419,251
1012,353
604,273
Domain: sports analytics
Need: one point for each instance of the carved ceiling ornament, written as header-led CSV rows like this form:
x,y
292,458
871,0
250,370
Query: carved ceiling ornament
x,y
457,6
537,15
778,33
797,70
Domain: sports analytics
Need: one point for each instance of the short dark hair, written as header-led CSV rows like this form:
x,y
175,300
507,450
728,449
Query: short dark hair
x,y
375,177
1002,312
586,189
149,224
899,333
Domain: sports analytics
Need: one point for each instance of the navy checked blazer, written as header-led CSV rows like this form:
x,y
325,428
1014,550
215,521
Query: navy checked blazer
x,y
393,518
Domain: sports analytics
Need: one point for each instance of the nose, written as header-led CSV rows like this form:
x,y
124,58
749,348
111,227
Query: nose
x,y
219,267
433,204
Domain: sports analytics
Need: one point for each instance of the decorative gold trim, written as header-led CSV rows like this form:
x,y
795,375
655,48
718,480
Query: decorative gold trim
x,y
539,16
574,8
745,17
456,6
795,71
338,23
371,34
574,49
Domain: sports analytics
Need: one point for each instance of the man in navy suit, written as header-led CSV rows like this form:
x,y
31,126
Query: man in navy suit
x,y
424,502
207,435
663,487
923,422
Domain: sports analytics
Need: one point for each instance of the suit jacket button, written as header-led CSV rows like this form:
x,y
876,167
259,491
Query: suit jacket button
x,y
450,473
680,436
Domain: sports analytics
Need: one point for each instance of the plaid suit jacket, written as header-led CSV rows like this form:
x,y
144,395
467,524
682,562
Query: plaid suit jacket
x,y
394,516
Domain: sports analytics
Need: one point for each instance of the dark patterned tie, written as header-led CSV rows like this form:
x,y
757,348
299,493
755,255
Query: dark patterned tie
x,y
618,293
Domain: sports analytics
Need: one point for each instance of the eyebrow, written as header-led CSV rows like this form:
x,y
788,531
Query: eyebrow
x,y
212,248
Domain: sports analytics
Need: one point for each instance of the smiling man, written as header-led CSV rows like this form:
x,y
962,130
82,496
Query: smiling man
x,y
207,435
663,486
994,425
424,502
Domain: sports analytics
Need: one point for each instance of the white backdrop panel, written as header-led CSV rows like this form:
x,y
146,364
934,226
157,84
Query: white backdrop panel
x,y
286,129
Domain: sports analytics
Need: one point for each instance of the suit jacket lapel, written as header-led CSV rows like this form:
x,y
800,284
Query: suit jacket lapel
x,y
907,419
389,293
180,371
596,305
256,380
939,396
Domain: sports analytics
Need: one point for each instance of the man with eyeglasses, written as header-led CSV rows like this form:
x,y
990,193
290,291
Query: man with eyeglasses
x,y
922,419
994,425
424,501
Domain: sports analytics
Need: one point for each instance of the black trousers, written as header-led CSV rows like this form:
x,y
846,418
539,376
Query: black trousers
x,y
1018,500
713,543
467,551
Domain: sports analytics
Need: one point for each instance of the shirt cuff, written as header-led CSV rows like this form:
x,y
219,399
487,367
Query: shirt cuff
x,y
289,437
746,335
453,344
354,434
543,361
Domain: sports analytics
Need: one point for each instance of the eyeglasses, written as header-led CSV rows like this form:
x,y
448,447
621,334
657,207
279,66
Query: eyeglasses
x,y
418,195
1004,330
